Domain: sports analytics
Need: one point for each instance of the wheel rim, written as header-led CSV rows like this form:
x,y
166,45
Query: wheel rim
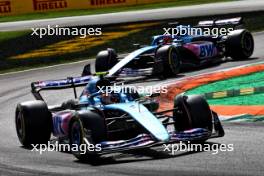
x,y
20,126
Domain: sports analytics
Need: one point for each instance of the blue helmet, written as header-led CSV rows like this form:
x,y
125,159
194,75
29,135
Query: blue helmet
x,y
91,87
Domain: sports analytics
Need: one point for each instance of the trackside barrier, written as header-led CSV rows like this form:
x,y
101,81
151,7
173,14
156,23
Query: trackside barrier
x,y
13,7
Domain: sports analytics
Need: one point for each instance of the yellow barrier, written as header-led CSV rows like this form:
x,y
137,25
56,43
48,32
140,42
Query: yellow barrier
x,y
13,7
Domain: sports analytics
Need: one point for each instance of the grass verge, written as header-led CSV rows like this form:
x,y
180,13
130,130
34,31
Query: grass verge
x,y
236,83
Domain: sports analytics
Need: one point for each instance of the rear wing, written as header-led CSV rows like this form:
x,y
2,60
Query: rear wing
x,y
234,22
70,82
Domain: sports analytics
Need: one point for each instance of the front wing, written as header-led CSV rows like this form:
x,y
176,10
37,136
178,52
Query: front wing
x,y
146,140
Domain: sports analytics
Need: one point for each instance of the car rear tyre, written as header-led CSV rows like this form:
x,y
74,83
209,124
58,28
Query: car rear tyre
x,y
33,123
192,112
170,58
239,44
105,60
88,129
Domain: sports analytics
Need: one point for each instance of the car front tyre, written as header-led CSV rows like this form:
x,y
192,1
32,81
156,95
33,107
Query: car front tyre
x,y
170,58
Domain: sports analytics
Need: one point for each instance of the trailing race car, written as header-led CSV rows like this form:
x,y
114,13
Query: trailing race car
x,y
113,122
167,54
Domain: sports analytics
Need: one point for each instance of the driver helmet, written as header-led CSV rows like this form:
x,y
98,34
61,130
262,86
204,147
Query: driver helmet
x,y
90,88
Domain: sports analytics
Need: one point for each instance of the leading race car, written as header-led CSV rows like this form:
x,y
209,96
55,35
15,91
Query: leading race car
x,y
112,122
167,54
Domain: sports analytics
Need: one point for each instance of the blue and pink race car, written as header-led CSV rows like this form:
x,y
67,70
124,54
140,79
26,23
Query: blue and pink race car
x,y
169,53
113,122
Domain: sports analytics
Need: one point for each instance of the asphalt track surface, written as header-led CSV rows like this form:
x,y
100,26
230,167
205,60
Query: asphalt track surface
x,y
246,159
141,15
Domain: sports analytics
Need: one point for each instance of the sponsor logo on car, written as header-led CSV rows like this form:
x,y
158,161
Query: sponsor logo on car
x,y
206,50
5,7
40,5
